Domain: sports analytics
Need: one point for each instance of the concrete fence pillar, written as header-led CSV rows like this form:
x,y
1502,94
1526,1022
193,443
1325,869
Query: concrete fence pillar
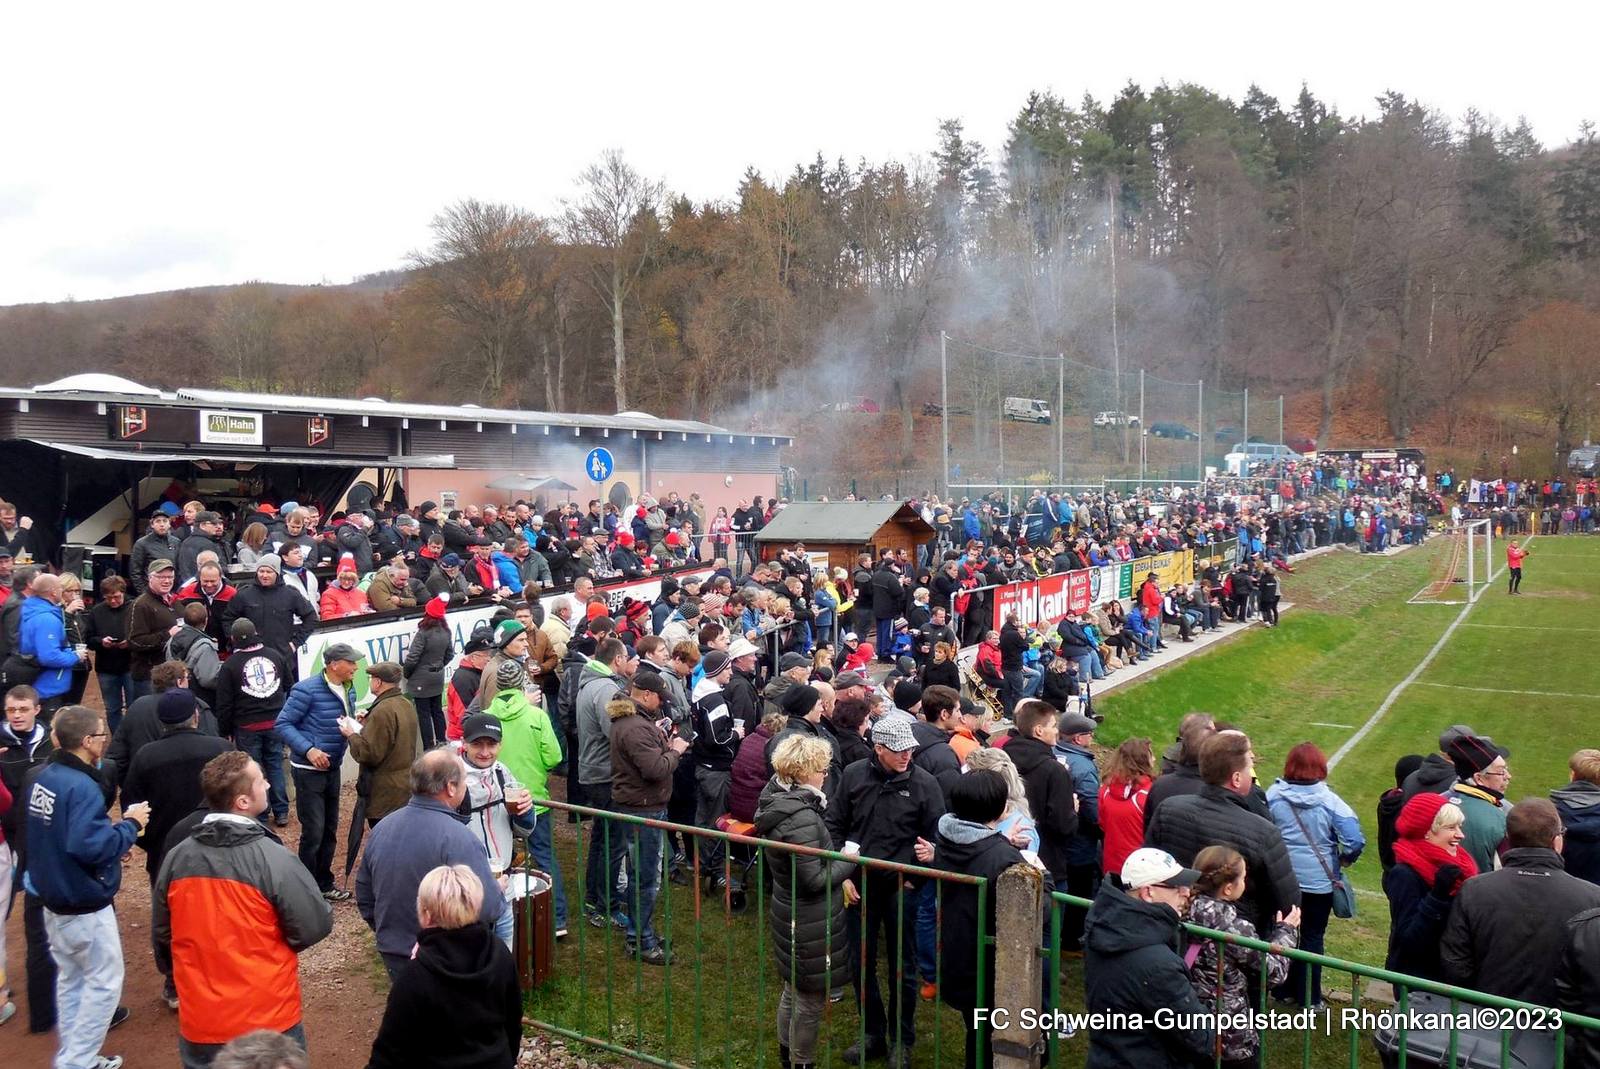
x,y
1018,964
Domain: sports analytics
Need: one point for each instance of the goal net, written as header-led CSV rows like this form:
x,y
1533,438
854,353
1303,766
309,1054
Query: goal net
x,y
1463,565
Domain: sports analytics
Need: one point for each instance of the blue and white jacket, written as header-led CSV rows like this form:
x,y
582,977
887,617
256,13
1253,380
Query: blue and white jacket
x,y
74,851
1334,827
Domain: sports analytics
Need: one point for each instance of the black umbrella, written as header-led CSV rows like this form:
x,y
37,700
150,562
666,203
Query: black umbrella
x,y
358,824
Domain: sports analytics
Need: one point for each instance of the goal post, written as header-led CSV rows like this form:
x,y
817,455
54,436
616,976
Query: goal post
x,y
1464,566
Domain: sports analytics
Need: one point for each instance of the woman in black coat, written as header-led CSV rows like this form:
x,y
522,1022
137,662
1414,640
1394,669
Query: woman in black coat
x,y
941,669
808,895
456,1004
425,661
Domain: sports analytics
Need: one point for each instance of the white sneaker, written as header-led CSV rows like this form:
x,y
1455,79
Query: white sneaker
x,y
113,1062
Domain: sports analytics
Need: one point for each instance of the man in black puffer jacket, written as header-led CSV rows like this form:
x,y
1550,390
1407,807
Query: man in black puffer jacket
x,y
282,615
1508,926
1051,796
890,809
1130,967
1221,814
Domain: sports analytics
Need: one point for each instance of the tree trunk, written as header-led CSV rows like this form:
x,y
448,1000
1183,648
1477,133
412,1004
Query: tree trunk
x,y
618,344
1330,372
549,376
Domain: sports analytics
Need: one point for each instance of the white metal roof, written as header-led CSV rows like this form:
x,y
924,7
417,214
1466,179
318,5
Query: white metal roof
x,y
103,387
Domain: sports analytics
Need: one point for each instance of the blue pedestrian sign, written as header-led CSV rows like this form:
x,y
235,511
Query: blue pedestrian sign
x,y
599,464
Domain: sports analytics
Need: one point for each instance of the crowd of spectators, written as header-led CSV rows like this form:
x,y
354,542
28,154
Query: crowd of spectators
x,y
818,707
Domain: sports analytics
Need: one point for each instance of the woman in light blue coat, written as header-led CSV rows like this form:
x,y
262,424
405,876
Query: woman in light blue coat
x,y
1323,835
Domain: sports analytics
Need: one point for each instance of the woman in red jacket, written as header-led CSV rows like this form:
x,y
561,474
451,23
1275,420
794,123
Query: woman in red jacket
x,y
1124,788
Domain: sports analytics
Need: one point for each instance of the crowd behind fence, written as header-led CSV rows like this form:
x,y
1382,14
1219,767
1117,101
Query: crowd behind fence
x,y
714,1001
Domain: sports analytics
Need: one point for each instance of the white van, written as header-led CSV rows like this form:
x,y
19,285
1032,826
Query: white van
x,y
1244,454
1027,410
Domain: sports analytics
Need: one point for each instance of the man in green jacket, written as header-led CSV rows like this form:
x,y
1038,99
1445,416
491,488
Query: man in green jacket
x,y
529,749
384,743
1481,792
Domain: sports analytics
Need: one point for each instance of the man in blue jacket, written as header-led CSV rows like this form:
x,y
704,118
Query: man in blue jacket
x,y
309,724
42,635
429,831
1075,736
74,868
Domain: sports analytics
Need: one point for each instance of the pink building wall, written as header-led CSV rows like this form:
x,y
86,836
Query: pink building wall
x,y
471,486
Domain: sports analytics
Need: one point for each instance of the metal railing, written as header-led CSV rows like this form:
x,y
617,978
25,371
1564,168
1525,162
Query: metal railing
x,y
714,999
1441,998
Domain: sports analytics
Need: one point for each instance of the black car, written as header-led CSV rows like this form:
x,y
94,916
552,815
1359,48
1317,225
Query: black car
x,y
1172,430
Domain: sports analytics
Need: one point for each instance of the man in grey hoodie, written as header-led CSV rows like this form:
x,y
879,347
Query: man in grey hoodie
x,y
599,681
195,647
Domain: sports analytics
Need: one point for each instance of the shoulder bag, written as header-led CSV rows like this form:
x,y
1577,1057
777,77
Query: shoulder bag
x,y
1344,896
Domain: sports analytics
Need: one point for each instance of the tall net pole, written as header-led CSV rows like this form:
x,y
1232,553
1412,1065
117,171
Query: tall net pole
x,y
1061,417
1200,421
944,409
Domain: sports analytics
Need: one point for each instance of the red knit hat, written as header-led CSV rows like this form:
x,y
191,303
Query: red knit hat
x,y
437,606
624,538
347,562
1419,814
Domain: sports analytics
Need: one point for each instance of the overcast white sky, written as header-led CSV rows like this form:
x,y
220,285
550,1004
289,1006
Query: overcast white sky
x,y
151,147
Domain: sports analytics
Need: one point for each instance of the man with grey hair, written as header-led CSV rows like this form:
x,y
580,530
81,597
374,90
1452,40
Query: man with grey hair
x,y
262,1050
420,836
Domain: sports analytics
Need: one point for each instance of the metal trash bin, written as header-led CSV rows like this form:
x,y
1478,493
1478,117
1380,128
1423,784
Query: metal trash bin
x,y
530,895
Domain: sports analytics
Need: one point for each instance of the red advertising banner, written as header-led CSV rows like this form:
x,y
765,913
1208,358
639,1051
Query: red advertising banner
x,y
1042,603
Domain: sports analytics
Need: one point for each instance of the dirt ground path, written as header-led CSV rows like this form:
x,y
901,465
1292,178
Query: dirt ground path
x,y
343,987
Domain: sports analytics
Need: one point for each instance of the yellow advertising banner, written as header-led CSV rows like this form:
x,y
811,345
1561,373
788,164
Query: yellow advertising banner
x,y
1174,567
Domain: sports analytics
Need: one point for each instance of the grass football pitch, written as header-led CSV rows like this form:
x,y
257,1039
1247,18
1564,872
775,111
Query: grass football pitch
x,y
1514,668
1517,668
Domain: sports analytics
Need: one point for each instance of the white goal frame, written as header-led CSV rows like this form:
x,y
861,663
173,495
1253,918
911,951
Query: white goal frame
x,y
1480,572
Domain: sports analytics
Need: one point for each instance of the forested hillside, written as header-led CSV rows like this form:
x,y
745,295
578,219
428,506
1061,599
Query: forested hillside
x,y
1415,273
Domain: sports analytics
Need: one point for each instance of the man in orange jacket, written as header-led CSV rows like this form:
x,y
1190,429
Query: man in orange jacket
x,y
232,909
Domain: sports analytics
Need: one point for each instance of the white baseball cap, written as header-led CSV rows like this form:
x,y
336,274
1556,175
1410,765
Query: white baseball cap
x,y
1148,866
742,648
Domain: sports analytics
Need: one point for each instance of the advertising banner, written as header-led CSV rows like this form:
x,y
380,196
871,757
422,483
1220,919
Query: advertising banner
x,y
1042,603
1174,567
1219,555
387,639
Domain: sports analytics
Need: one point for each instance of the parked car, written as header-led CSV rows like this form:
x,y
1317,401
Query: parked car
x,y
1584,459
1245,454
1115,419
1026,410
1172,430
934,408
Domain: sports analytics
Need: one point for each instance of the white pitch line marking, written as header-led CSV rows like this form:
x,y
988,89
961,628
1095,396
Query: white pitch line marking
x,y
1400,687
1498,690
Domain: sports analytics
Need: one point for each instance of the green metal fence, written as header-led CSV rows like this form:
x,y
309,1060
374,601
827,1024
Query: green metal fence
x,y
714,1001
1521,1018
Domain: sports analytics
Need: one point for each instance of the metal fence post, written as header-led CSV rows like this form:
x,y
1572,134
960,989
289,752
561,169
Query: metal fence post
x,y
1018,969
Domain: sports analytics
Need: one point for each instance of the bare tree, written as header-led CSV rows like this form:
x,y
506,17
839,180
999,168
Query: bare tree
x,y
243,332
615,214
480,274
